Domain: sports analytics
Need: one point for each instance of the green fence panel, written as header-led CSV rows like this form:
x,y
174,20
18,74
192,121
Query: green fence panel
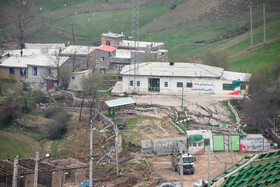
x,y
218,143
235,143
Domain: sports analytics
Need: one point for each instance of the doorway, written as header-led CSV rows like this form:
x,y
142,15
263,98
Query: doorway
x,y
154,84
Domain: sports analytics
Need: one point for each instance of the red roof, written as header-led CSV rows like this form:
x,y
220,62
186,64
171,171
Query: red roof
x,y
107,48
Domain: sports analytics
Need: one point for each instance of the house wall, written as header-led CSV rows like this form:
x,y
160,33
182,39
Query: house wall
x,y
100,63
199,85
5,73
75,81
113,41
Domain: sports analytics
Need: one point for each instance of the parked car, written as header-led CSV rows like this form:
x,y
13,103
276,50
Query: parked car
x,y
169,184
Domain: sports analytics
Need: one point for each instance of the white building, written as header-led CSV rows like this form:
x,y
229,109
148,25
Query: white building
x,y
35,69
177,77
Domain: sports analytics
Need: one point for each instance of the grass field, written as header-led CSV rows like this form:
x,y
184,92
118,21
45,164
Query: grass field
x,y
11,145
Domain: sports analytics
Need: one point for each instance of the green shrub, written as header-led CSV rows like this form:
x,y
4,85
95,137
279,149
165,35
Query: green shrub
x,y
55,129
7,114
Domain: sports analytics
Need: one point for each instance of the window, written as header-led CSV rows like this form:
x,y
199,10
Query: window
x,y
179,84
108,42
189,84
73,77
131,83
102,58
34,71
23,71
12,71
194,144
228,86
121,67
138,83
50,71
165,84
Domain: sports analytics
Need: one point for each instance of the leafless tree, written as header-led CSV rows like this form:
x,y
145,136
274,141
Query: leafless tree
x,y
25,10
57,72
90,85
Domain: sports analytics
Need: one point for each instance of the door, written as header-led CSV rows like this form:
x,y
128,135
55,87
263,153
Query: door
x,y
242,89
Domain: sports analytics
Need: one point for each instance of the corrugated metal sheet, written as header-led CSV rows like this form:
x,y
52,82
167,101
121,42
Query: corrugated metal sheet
x,y
177,69
120,102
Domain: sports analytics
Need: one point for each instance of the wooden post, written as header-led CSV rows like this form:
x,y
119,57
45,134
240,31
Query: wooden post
x,y
15,173
116,147
36,170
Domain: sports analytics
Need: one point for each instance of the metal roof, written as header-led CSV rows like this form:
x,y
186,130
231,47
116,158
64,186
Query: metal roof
x,y
120,102
107,48
174,69
45,61
78,49
131,43
228,75
112,35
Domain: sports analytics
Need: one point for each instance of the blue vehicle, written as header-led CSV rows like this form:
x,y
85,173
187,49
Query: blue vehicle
x,y
86,183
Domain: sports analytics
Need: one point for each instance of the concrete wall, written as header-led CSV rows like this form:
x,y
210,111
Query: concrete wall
x,y
200,85
162,146
75,81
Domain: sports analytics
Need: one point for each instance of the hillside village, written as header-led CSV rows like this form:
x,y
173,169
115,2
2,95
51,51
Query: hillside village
x,y
114,112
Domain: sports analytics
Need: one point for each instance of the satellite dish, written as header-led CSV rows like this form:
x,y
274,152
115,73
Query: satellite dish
x,y
47,155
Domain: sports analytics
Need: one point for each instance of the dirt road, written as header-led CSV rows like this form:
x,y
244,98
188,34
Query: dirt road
x,y
219,162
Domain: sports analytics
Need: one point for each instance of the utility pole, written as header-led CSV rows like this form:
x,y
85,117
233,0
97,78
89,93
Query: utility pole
x,y
15,173
36,170
209,174
182,101
181,165
73,35
264,28
90,155
251,26
116,147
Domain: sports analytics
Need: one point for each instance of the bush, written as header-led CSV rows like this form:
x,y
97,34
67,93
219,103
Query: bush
x,y
7,114
51,111
58,126
55,129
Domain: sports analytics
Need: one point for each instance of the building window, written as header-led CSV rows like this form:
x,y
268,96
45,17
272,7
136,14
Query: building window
x,y
121,67
23,71
108,42
166,84
138,83
131,83
34,71
189,84
12,71
228,86
50,71
102,58
73,77
179,84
